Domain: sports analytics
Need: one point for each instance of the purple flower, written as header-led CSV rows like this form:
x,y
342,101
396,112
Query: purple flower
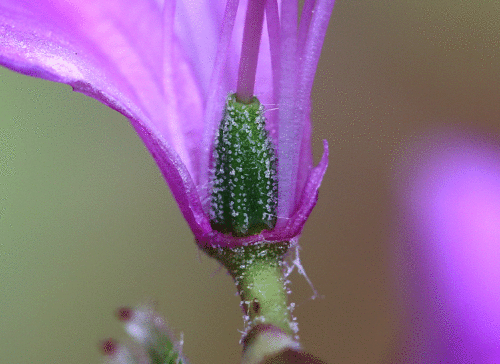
x,y
448,249
168,66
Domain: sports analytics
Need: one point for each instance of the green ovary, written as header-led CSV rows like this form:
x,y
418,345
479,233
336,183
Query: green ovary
x,y
244,194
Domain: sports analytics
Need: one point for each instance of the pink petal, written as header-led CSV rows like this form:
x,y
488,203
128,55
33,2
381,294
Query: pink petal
x,y
309,196
289,133
119,55
87,46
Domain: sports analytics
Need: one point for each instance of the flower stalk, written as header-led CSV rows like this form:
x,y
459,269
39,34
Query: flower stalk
x,y
263,294
259,274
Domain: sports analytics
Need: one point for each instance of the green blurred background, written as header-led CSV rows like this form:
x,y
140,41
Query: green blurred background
x,y
87,223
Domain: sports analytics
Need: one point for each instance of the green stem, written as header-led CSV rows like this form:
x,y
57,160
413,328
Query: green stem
x,y
262,290
258,271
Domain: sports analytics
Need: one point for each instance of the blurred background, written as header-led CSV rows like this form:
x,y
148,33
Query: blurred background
x,y
87,223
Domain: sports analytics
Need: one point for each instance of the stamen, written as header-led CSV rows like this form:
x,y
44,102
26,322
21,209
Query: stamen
x,y
250,50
